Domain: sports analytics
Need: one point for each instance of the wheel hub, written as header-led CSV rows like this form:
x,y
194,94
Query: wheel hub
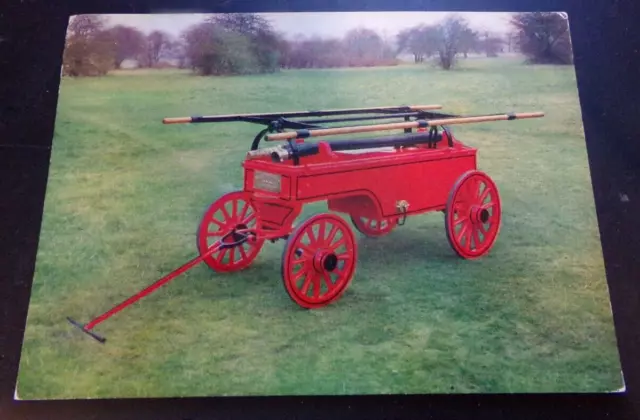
x,y
484,215
479,215
237,237
325,261
330,262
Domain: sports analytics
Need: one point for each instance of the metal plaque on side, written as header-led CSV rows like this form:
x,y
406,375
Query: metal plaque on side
x,y
267,182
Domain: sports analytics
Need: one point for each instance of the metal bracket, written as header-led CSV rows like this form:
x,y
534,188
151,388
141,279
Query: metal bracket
x,y
402,206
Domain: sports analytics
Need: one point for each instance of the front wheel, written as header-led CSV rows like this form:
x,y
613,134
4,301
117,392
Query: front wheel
x,y
319,261
473,215
229,213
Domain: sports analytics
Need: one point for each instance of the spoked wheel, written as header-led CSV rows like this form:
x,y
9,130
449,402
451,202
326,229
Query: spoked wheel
x,y
473,214
373,227
319,261
229,213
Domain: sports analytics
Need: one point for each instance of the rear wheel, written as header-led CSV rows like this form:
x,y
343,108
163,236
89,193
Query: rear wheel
x,y
374,227
473,215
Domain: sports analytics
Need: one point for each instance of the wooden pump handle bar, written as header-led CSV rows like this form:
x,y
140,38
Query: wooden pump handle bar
x,y
401,125
186,120
176,120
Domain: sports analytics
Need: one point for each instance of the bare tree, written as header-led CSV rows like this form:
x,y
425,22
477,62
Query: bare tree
x,y
469,41
403,42
129,43
200,47
388,50
265,41
364,46
420,40
85,26
246,43
285,49
89,51
358,48
427,41
451,33
178,51
212,50
316,52
249,24
157,44
543,37
492,44
511,38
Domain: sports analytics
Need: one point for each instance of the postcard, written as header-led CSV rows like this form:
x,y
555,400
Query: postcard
x,y
318,204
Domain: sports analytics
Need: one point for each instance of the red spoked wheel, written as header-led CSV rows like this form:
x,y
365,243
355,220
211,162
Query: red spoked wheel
x,y
319,261
374,227
473,215
230,213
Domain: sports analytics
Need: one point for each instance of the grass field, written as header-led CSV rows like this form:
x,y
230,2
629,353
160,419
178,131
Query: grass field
x,y
126,193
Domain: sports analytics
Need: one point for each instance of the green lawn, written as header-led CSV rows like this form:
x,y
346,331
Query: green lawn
x,y
126,194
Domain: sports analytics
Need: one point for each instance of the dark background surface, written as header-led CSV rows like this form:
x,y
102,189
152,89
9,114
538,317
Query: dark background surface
x,y
607,59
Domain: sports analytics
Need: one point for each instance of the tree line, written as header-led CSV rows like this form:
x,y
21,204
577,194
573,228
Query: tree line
x,y
247,43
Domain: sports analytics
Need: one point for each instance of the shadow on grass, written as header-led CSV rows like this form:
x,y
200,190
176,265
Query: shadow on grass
x,y
410,256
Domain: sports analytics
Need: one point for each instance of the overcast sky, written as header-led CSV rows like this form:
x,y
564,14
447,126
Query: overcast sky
x,y
322,24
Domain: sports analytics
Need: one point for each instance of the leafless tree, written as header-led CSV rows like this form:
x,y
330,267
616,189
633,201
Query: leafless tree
x,y
451,33
492,44
89,50
157,45
420,40
212,50
129,43
543,37
265,42
469,41
511,38
364,47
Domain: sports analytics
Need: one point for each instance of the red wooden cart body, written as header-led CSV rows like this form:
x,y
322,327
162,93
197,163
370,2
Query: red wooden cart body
x,y
369,184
